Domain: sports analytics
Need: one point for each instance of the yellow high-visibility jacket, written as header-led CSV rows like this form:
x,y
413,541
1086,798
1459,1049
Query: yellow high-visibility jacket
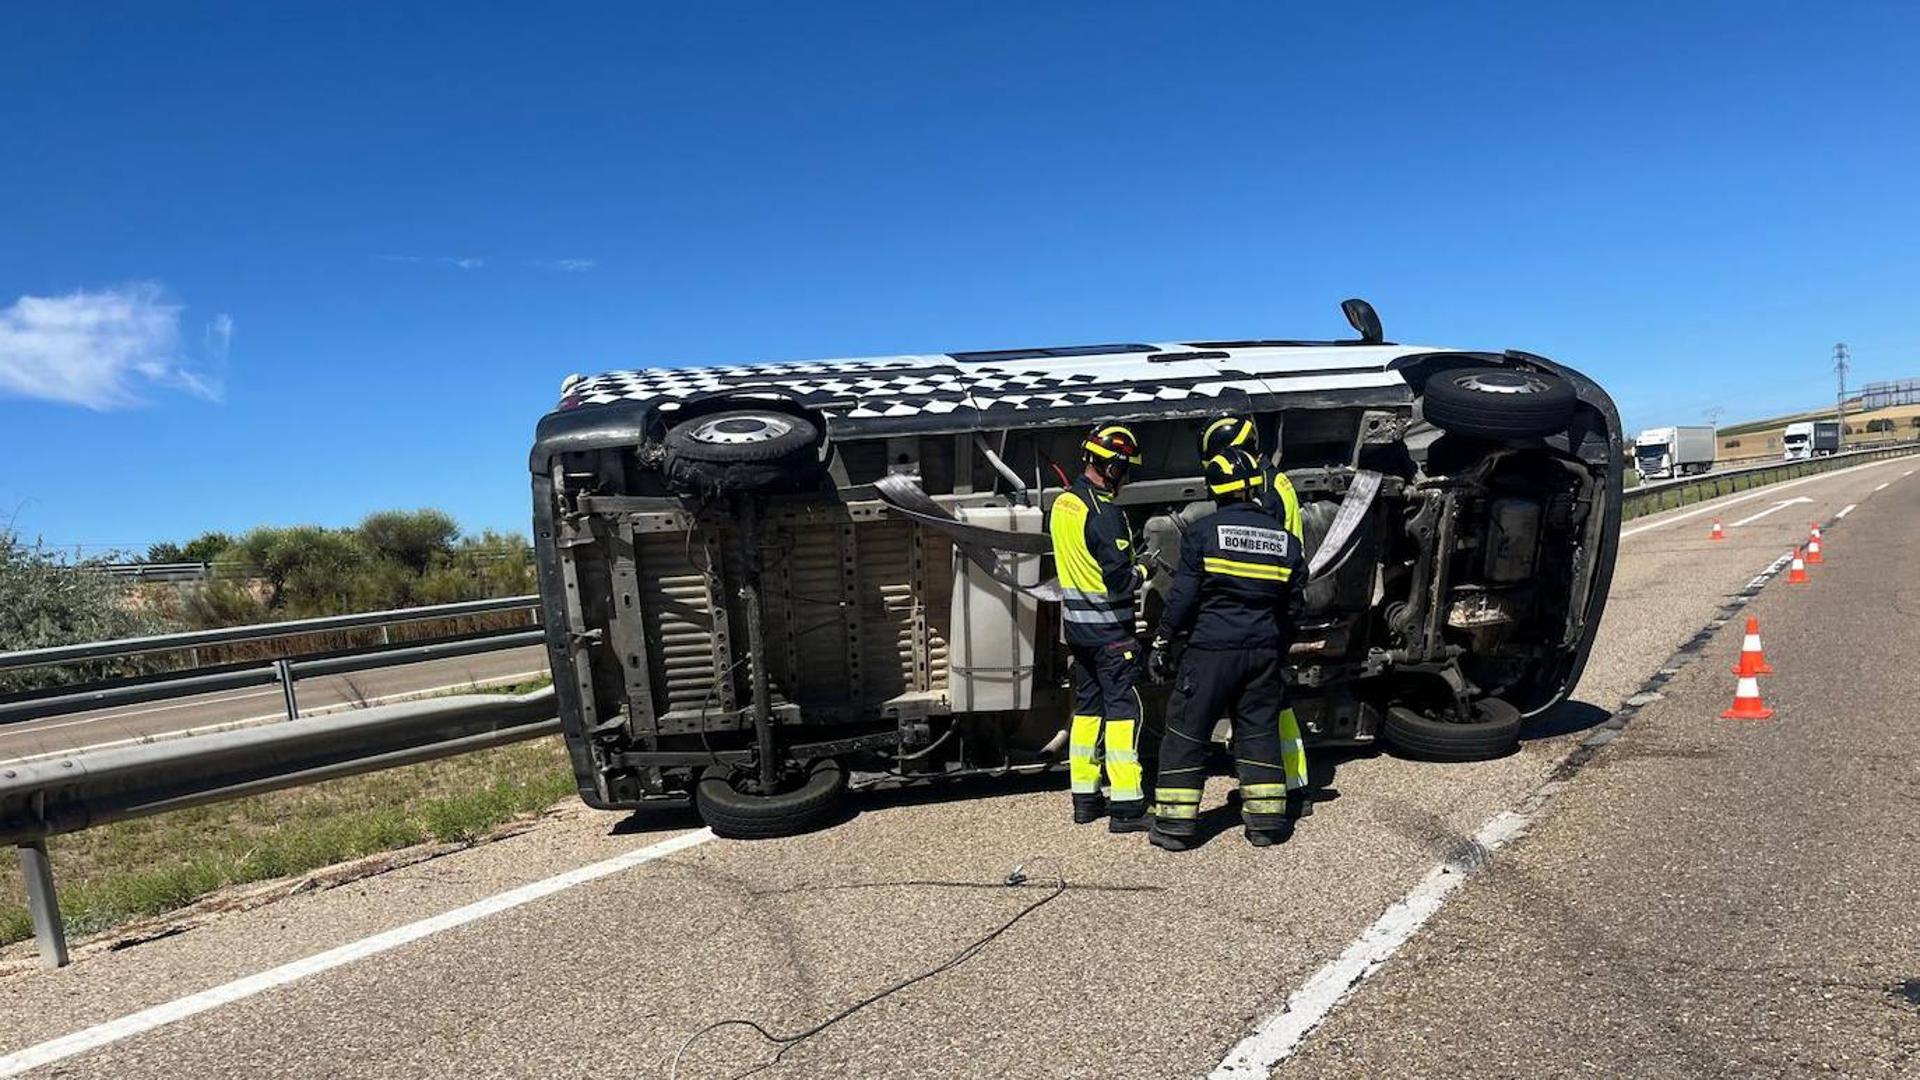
x,y
1094,555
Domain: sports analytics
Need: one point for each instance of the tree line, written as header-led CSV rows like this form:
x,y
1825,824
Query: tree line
x,y
391,559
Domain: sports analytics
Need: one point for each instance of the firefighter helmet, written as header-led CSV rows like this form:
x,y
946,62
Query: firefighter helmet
x,y
1110,442
1112,451
1234,472
1229,430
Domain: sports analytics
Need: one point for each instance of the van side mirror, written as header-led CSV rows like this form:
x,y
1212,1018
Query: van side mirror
x,y
1361,316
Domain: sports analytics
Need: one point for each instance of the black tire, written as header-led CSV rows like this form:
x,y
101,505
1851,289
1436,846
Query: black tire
x,y
1498,403
737,815
742,435
1494,732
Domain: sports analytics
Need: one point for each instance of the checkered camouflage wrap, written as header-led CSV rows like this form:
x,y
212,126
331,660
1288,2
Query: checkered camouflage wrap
x,y
908,386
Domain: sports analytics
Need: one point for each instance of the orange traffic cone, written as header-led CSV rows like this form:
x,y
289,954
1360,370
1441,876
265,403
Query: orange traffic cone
x,y
1718,533
1746,702
1798,574
1752,660
1813,548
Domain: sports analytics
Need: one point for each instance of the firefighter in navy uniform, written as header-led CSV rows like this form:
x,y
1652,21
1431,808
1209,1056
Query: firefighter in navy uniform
x,y
1234,599
1275,492
1100,578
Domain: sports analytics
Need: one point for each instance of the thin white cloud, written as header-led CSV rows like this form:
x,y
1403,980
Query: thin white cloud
x,y
565,266
466,262
102,349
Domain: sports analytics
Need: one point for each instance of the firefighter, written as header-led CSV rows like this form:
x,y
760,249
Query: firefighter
x,y
1234,600
1276,492
1100,578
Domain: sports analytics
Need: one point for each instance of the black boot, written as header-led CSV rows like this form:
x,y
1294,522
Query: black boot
x,y
1169,841
1269,837
1127,817
1088,808
1300,803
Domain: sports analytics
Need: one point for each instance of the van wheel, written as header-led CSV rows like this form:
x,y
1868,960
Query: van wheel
x,y
1498,403
808,801
1493,732
742,435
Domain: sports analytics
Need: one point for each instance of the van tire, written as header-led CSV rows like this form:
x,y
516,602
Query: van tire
x,y
738,815
742,436
1498,403
1493,732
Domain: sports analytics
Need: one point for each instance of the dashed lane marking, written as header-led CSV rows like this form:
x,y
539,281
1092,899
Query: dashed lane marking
x,y
1883,487
1758,493
1277,1037
1844,511
158,1016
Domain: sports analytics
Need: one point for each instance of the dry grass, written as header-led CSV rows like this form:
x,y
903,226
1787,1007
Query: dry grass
x,y
148,866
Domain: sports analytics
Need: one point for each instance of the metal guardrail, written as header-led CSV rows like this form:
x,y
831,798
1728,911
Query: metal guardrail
x,y
60,795
172,571
287,672
102,650
1672,494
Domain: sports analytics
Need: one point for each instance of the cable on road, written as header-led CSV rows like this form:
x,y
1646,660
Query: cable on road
x,y
1015,878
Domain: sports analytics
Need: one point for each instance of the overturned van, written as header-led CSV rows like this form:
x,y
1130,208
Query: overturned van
x,y
763,582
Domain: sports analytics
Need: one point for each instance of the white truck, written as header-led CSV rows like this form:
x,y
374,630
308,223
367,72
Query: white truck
x,y
1665,452
1810,439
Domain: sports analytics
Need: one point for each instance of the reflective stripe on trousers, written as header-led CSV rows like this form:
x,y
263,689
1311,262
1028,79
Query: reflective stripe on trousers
x,y
1176,804
1266,799
1123,760
1083,755
1293,751
1122,757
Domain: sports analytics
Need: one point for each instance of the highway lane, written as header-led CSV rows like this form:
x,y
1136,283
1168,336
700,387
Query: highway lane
x,y
185,716
1714,897
1156,982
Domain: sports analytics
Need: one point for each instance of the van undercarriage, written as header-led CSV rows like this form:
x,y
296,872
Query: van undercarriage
x,y
758,628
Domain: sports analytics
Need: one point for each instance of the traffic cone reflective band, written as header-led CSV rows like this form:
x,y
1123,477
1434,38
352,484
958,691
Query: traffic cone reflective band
x,y
1752,660
1718,533
1813,547
1798,574
1746,702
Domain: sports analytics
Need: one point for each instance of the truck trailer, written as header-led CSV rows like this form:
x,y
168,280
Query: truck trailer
x,y
1666,452
762,583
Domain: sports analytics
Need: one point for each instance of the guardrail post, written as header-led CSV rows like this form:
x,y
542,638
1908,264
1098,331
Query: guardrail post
x,y
284,672
43,904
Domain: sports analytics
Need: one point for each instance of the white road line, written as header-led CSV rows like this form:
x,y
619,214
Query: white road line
x,y
1848,509
1721,504
1781,505
1883,487
158,1016
275,692
1280,1034
228,725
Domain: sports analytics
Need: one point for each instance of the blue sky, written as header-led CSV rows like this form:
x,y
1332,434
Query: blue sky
x,y
278,264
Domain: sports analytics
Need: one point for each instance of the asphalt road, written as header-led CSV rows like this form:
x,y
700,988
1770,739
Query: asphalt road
x,y
185,716
1150,965
1714,897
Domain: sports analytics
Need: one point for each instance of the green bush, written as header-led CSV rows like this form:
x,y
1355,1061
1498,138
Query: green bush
x,y
47,601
